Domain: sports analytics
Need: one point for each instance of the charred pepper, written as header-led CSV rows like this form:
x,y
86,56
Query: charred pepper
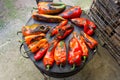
x,y
36,45
47,18
39,55
31,38
34,29
54,30
64,31
50,7
89,26
60,53
75,53
92,43
48,59
72,12
82,44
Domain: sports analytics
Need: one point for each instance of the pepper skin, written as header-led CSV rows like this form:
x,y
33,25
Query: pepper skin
x,y
64,31
39,55
54,30
89,26
73,12
92,43
75,53
60,53
83,45
80,22
31,38
34,29
36,45
47,18
48,59
50,8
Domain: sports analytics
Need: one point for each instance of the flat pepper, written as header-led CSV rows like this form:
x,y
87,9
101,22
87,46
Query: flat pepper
x,y
75,53
34,29
89,26
64,31
31,38
36,45
60,53
50,7
39,55
72,12
91,42
48,59
55,29
83,45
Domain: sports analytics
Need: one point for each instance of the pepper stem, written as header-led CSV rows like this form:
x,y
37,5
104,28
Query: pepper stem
x,y
21,41
35,8
84,58
73,67
47,67
60,65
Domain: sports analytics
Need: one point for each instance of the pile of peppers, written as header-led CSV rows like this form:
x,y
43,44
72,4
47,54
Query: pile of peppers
x,y
56,51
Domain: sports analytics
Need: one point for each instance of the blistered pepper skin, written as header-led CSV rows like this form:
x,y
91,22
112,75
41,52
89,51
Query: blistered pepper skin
x,y
91,42
73,12
48,59
75,52
50,7
60,54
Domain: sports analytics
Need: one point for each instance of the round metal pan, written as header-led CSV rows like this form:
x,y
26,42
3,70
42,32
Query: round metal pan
x,y
56,71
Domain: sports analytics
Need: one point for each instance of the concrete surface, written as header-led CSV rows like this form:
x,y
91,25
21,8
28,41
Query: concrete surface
x,y
13,15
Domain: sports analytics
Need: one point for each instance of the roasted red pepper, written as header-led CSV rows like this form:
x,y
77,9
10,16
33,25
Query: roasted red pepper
x,y
36,45
92,43
88,25
50,8
34,29
91,27
64,31
83,45
39,55
48,59
60,53
73,12
31,38
54,30
80,22
75,53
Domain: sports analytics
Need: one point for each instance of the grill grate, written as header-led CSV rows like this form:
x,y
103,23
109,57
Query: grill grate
x,y
106,15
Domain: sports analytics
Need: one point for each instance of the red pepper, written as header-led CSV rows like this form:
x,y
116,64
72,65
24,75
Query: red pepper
x,y
73,12
34,29
91,28
39,55
92,43
83,45
64,31
54,30
75,53
50,8
80,22
88,25
60,53
36,45
48,59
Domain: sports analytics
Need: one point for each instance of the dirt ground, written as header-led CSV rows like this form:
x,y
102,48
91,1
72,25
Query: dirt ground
x,y
13,15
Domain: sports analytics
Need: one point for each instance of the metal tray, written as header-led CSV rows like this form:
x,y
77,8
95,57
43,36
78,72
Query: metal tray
x,y
56,71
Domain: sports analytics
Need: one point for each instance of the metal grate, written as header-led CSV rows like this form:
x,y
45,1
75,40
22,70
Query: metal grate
x,y
106,15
